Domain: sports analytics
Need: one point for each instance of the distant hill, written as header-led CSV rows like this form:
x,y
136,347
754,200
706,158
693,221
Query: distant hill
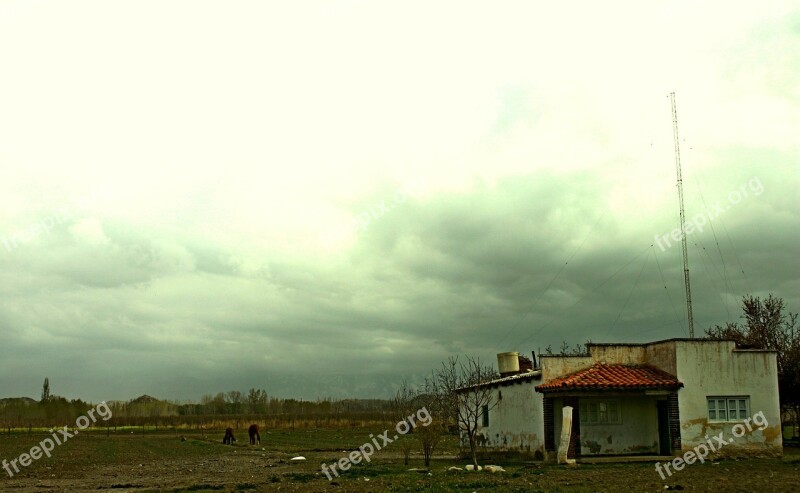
x,y
145,399
18,400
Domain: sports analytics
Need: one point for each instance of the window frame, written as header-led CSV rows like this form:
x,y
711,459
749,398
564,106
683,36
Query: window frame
x,y
728,404
485,416
601,413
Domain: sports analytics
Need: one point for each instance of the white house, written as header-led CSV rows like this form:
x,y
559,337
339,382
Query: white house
x,y
511,424
658,398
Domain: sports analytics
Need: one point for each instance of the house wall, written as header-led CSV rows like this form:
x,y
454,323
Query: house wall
x,y
716,368
618,354
662,356
516,423
555,366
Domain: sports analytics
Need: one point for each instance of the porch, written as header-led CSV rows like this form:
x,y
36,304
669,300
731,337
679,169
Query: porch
x,y
618,411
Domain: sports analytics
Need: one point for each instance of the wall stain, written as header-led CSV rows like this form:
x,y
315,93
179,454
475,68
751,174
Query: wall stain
x,y
593,446
772,434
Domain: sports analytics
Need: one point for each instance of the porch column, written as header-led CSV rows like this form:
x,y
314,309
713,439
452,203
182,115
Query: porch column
x,y
574,451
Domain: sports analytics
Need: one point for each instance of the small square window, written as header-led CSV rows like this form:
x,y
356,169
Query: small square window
x,y
728,408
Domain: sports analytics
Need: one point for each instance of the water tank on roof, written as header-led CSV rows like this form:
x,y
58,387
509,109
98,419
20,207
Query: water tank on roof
x,y
508,363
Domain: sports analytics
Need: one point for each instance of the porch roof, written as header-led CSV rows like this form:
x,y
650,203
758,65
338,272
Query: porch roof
x,y
613,377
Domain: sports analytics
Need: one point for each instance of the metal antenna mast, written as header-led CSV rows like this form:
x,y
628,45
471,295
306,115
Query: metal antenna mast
x,y
683,217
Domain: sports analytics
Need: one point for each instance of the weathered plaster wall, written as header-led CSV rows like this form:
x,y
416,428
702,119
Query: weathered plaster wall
x,y
557,366
636,434
516,422
662,356
618,355
715,368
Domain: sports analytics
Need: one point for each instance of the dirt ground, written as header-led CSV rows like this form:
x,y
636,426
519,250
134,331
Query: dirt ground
x,y
125,462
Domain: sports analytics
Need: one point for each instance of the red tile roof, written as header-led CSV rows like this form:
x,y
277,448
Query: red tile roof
x,y
613,377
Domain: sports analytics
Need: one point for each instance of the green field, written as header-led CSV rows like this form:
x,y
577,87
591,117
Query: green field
x,y
131,460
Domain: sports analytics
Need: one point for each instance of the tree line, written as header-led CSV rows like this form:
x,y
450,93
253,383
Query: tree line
x,y
145,410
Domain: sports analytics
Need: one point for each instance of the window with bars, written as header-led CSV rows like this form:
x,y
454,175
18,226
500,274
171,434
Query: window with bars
x,y
604,411
728,408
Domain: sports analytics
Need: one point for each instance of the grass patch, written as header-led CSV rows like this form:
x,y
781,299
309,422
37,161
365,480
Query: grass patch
x,y
791,459
369,470
194,487
205,487
300,477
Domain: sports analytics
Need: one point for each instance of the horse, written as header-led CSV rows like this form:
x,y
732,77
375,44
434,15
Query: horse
x,y
229,438
255,438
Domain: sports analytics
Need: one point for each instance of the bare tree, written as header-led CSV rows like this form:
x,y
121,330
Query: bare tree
x,y
465,398
257,401
401,406
428,430
236,401
435,401
566,350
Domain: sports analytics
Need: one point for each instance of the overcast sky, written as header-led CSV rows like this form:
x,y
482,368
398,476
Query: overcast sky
x,y
324,198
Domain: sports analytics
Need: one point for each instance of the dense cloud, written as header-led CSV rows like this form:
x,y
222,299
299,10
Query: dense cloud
x,y
227,205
